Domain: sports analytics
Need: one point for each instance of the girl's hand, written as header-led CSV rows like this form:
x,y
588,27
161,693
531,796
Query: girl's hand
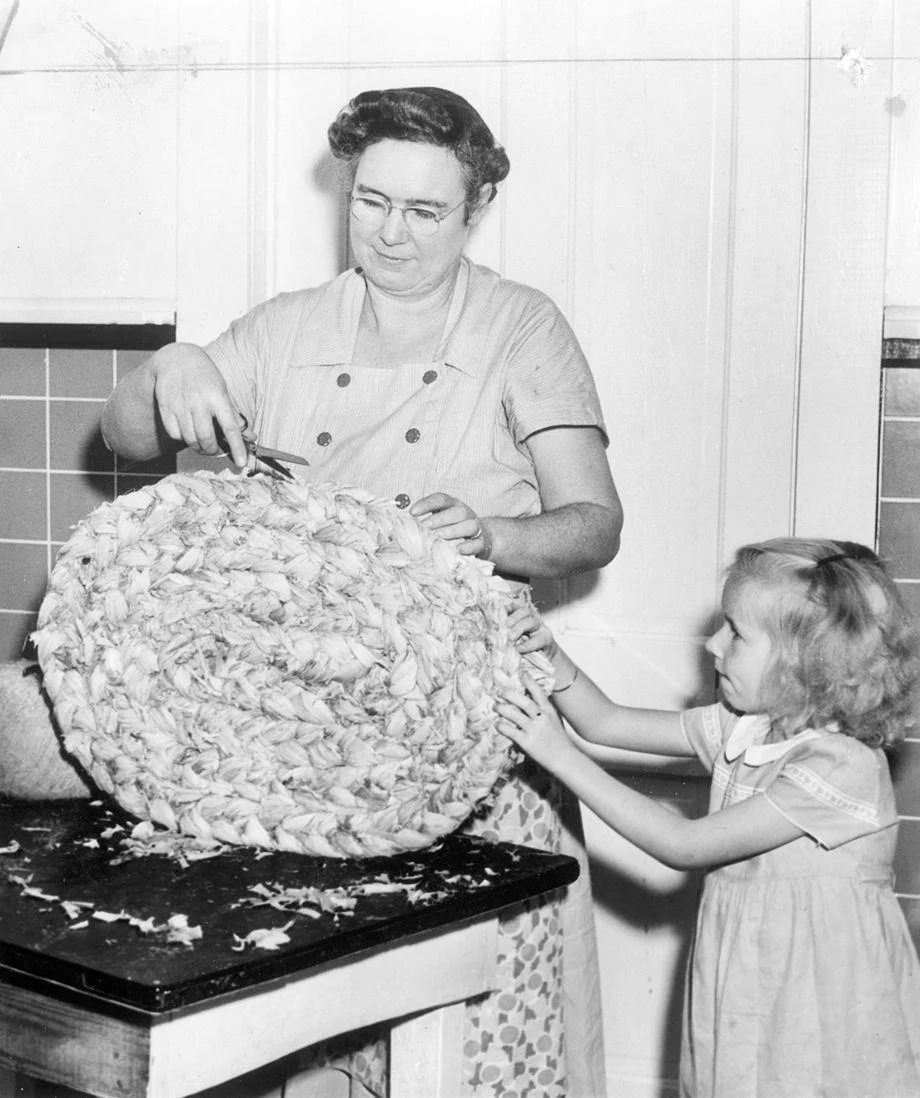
x,y
531,721
454,521
529,632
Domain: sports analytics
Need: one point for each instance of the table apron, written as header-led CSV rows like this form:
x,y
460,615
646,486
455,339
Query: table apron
x,y
187,1050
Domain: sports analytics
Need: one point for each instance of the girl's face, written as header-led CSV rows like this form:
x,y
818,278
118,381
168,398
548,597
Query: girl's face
x,y
742,650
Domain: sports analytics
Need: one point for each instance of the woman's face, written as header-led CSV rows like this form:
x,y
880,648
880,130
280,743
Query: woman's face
x,y
407,173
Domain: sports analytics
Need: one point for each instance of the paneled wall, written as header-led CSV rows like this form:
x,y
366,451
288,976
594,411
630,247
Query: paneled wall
x,y
703,187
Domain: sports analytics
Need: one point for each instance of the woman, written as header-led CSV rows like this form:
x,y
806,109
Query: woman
x,y
466,398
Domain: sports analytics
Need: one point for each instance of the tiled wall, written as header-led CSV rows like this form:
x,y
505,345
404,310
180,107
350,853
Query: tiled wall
x,y
54,467
899,545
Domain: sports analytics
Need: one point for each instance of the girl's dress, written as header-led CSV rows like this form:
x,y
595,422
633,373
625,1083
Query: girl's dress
x,y
803,979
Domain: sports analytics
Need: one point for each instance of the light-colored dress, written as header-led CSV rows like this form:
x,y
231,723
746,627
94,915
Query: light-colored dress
x,y
507,365
803,979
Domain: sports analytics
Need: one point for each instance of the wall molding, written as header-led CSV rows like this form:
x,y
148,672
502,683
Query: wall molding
x,y
87,337
902,322
89,310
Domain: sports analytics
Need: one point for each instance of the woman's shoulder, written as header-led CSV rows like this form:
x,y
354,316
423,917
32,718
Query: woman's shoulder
x,y
499,292
298,302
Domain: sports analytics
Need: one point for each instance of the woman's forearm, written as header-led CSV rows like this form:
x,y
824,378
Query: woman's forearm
x,y
130,423
576,537
176,398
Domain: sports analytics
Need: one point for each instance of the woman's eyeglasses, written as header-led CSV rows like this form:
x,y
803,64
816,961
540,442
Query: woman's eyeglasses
x,y
373,210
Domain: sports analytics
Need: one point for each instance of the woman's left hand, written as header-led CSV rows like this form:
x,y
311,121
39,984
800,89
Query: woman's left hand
x,y
454,521
530,719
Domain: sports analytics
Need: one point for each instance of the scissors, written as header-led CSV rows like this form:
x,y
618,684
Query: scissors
x,y
265,454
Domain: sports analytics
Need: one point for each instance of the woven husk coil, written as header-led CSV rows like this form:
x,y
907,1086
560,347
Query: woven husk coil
x,y
274,663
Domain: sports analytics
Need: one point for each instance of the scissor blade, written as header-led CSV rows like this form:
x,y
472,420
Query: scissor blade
x,y
265,452
277,468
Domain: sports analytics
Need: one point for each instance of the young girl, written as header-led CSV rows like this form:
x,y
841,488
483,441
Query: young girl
x,y
803,979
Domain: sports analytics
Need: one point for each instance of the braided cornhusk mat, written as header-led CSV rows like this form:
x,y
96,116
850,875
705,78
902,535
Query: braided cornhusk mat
x,y
273,663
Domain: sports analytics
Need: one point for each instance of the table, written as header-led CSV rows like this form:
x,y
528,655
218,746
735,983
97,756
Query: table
x,y
97,998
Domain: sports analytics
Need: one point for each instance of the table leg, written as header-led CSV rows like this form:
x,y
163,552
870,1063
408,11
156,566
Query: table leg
x,y
426,1054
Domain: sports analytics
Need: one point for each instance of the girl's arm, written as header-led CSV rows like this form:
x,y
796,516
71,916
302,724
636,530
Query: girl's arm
x,y
588,709
740,831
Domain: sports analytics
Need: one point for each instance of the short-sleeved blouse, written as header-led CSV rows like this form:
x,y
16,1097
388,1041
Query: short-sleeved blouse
x,y
508,365
833,787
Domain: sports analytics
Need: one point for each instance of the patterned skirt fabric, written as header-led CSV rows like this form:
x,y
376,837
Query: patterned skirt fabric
x,y
514,1043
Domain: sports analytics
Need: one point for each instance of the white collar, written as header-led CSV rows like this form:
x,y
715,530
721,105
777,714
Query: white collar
x,y
747,738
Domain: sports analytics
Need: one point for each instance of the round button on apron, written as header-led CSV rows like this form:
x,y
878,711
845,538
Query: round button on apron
x,y
413,434
402,500
342,380
324,438
430,375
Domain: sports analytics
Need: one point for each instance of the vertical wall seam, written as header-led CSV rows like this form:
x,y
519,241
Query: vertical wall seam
x,y
48,554
254,99
728,307
802,265
562,587
115,460
503,73
892,157
181,77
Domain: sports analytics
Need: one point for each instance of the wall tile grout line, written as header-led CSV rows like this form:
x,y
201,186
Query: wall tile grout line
x,y
114,382
49,555
53,399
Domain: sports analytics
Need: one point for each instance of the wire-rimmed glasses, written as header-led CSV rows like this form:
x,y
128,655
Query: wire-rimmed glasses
x,y
373,210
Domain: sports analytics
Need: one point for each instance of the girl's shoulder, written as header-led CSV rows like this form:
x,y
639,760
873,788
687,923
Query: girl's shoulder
x,y
838,784
707,728
837,758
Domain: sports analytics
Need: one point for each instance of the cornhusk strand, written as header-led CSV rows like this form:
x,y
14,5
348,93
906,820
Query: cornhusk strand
x,y
274,663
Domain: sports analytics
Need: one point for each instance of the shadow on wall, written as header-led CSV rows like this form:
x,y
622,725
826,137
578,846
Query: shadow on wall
x,y
649,913
656,913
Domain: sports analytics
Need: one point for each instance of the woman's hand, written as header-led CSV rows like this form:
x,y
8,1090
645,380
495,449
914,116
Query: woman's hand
x,y
194,405
531,721
529,632
454,521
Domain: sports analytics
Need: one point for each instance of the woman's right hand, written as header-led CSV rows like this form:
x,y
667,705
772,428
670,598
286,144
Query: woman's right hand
x,y
192,400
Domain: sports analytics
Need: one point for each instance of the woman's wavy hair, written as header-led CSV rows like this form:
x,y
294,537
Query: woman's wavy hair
x,y
845,650
430,116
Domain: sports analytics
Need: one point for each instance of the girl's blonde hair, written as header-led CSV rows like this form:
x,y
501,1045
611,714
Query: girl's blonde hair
x,y
845,651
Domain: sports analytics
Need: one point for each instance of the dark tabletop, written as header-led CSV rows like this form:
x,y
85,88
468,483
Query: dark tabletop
x,y
59,856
